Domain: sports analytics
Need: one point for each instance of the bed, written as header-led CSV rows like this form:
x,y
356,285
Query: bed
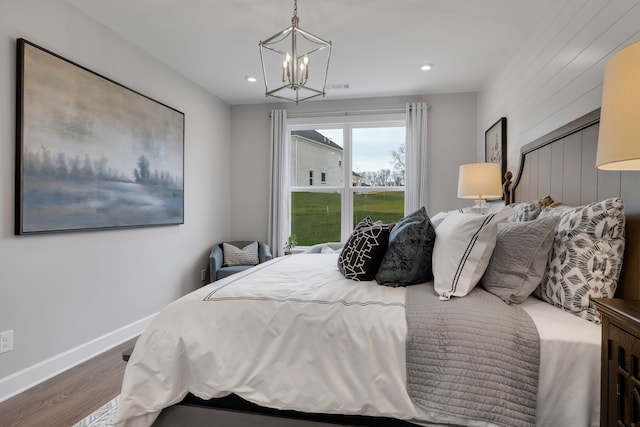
x,y
297,339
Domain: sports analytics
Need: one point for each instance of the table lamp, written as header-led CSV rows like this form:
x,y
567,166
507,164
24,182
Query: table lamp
x,y
480,181
619,138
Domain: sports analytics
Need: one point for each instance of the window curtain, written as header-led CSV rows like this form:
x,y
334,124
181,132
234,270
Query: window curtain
x,y
415,195
279,183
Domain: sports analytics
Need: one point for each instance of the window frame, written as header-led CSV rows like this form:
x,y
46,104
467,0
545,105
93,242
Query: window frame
x,y
347,190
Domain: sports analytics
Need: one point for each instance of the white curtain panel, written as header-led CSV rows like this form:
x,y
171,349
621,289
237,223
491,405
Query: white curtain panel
x,y
279,183
415,195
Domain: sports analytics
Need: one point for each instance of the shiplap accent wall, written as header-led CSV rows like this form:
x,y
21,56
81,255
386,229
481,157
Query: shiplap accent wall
x,y
562,165
556,75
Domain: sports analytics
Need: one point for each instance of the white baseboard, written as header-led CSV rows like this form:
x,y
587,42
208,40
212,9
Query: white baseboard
x,y
42,371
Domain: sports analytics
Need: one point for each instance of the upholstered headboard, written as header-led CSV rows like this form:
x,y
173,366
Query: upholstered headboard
x,y
561,164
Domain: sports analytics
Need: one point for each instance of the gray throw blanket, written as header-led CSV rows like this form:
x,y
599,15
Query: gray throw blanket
x,y
475,357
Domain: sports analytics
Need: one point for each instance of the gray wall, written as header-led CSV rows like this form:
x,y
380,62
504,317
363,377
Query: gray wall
x,y
452,133
67,295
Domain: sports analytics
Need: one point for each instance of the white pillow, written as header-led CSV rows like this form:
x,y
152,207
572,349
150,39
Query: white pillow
x,y
240,256
327,250
463,248
440,216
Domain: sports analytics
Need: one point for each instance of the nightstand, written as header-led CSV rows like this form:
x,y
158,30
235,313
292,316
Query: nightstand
x,y
620,383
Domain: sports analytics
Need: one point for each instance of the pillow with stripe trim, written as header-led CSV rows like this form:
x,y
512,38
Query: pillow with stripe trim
x,y
463,248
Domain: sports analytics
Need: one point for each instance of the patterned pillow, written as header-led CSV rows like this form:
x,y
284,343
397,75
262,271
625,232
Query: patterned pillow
x,y
408,258
364,250
240,256
527,211
464,244
586,257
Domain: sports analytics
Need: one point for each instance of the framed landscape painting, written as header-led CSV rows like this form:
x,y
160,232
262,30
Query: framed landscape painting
x,y
91,153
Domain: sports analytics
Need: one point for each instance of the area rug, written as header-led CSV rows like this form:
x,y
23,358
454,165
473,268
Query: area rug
x,y
101,417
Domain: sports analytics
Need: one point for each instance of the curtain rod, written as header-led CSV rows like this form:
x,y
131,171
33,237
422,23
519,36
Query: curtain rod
x,y
391,110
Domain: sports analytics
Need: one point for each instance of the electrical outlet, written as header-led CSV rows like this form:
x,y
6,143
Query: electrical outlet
x,y
6,341
203,275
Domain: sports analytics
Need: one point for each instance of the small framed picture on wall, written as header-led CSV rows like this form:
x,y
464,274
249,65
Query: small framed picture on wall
x,y
495,145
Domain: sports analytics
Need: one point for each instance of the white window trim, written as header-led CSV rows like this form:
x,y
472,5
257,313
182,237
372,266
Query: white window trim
x,y
347,123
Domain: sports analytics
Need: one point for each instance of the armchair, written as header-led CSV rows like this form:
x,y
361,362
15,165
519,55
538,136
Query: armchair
x,y
217,267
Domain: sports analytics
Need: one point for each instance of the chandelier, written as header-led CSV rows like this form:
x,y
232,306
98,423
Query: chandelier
x,y
290,53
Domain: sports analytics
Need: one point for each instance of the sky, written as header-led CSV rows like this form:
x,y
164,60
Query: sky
x,y
372,146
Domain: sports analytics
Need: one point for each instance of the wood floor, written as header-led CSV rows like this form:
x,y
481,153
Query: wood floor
x,y
69,397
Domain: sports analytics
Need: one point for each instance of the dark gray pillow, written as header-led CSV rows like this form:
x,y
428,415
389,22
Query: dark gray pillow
x,y
363,251
519,259
408,258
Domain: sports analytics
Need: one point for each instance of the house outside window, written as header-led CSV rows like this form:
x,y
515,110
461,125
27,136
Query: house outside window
x,y
362,166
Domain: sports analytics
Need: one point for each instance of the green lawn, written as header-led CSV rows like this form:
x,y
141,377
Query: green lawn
x,y
315,217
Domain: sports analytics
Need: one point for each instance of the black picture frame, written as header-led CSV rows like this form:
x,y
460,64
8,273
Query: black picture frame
x,y
495,145
91,153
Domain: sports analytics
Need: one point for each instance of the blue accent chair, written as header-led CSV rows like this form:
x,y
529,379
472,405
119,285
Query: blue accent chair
x,y
217,269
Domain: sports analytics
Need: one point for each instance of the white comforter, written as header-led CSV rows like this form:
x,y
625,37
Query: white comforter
x,y
293,333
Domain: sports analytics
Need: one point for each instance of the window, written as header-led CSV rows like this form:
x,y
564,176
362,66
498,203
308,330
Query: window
x,y
362,173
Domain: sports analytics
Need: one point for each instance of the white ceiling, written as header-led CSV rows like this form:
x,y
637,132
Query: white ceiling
x,y
378,45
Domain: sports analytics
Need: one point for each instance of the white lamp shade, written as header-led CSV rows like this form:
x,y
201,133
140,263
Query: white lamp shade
x,y
480,181
619,139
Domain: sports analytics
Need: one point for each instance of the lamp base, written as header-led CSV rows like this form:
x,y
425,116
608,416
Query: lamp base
x,y
480,207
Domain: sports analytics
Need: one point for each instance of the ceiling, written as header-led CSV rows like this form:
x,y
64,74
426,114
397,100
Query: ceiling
x,y
378,45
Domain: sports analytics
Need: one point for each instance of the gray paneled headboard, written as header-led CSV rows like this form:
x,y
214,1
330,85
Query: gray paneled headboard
x,y
561,164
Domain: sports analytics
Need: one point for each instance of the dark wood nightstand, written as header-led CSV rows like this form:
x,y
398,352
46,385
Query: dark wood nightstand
x,y
620,383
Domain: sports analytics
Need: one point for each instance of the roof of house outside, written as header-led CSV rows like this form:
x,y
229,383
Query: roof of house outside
x,y
317,137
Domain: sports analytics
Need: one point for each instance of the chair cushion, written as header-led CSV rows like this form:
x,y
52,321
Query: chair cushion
x,y
228,271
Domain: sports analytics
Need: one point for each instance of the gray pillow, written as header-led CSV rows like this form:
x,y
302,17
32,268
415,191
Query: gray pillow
x,y
408,258
519,259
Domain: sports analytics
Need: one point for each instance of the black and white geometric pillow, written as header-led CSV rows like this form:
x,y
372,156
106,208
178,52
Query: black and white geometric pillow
x,y
364,250
586,257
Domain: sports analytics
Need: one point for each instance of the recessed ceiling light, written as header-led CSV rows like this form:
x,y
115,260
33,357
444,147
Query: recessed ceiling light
x,y
426,67
251,79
